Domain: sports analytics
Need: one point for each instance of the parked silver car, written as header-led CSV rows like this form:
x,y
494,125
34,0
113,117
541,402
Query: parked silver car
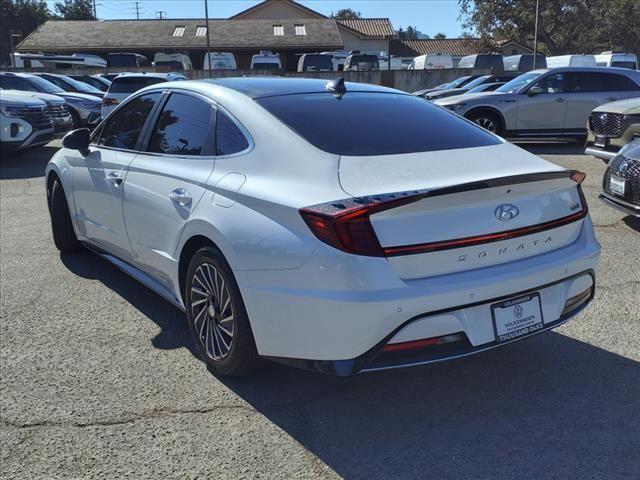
x,y
549,102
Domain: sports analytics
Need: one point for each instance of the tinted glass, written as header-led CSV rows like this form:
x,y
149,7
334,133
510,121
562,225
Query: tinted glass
x,y
630,65
476,82
183,127
132,84
81,86
599,82
14,83
374,123
44,85
57,82
456,83
229,138
121,60
313,63
552,83
265,66
123,128
172,64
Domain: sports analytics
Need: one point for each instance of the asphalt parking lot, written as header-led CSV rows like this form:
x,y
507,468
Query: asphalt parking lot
x,y
99,379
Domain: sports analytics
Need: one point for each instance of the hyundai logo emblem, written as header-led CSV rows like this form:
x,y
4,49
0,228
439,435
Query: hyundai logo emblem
x,y
506,212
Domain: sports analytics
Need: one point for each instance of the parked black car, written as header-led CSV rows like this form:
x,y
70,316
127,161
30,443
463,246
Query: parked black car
x,y
621,183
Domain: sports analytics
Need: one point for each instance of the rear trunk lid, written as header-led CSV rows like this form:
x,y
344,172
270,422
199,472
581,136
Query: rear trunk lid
x,y
479,207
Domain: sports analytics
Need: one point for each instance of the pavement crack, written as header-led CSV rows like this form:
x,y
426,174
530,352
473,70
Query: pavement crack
x,y
127,419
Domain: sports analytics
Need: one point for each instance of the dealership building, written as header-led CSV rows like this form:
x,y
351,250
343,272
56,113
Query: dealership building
x,y
282,26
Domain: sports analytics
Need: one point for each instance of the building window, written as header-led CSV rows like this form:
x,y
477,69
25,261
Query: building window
x,y
178,31
301,30
278,30
201,31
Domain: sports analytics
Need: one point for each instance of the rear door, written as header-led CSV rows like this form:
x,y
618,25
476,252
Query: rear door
x,y
544,111
587,90
168,179
99,178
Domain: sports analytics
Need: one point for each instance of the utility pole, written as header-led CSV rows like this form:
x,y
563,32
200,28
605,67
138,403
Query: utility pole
x,y
137,11
95,14
161,15
535,36
206,14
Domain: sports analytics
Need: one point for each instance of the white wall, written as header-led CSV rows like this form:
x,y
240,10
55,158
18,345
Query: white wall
x,y
353,42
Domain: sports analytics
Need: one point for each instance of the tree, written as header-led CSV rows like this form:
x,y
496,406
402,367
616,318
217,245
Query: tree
x,y
76,10
564,26
20,17
411,33
440,36
346,13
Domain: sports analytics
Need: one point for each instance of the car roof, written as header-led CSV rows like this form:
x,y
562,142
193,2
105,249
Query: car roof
x,y
259,87
150,74
624,71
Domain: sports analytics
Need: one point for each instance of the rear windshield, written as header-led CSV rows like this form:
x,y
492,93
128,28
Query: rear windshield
x,y
367,124
132,84
172,64
631,65
313,63
122,60
265,66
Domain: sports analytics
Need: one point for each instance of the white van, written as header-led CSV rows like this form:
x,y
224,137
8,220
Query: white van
x,y
266,60
431,61
173,61
617,59
220,61
571,61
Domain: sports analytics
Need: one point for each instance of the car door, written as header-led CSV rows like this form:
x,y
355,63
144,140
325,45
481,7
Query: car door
x,y
98,179
544,111
587,90
167,180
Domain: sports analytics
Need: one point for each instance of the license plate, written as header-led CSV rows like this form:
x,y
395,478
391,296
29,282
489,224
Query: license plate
x,y
617,185
517,317
600,141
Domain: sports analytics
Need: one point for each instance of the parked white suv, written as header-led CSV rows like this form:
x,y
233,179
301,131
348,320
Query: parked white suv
x,y
337,227
548,102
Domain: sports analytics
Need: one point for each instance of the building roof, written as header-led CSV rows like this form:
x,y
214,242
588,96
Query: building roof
x,y
133,35
368,27
289,3
456,47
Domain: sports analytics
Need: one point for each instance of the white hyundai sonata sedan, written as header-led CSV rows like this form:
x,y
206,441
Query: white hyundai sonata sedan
x,y
338,227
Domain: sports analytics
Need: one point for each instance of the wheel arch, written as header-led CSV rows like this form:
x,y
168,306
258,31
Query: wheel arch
x,y
188,250
487,108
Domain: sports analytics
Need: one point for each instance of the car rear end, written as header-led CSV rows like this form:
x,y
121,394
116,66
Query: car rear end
x,y
445,244
123,86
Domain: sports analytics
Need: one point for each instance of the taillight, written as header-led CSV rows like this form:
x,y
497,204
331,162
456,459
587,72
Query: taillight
x,y
109,101
346,224
577,176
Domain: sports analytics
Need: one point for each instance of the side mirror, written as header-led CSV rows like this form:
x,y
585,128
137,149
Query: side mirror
x,y
535,91
77,140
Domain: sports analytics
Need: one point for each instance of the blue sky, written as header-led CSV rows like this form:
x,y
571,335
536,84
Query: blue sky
x,y
429,16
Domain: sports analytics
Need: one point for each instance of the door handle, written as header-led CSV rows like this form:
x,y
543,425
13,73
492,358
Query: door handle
x,y
116,178
611,99
559,100
180,196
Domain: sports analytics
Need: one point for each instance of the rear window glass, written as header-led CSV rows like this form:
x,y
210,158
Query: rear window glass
x,y
367,124
121,60
132,84
265,66
313,63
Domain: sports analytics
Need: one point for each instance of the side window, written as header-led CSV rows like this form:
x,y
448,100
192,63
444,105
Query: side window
x,y
229,138
124,127
14,83
620,83
56,81
183,127
552,83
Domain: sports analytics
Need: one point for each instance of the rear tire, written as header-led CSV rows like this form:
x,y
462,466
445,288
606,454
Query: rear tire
x,y
487,120
63,235
217,317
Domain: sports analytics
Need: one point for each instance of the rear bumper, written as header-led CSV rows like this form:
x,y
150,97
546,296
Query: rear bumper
x,y
337,309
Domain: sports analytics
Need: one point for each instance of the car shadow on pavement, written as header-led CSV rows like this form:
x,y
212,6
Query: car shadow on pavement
x,y
26,164
547,407
174,332
552,147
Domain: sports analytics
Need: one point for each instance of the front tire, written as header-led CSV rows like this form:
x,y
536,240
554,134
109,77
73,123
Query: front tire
x,y
217,317
487,120
63,235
